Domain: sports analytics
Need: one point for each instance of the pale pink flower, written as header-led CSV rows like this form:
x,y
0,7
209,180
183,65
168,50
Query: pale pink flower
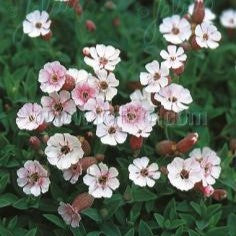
x,y
174,97
69,214
33,178
156,77
210,164
107,83
78,75
63,150
102,57
228,18
143,174
184,174
109,132
58,108
207,35
174,57
37,23
142,96
73,173
83,91
101,180
208,191
175,29
135,116
96,109
209,15
52,77
30,116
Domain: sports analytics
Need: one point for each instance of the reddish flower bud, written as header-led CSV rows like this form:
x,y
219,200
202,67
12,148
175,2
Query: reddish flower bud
x,y
135,143
82,202
186,46
116,22
86,162
219,194
187,17
47,37
69,83
45,138
206,191
86,51
232,145
194,44
78,10
73,3
166,147
42,127
198,12
99,157
34,142
185,144
85,145
179,70
90,25
164,170
133,85
169,116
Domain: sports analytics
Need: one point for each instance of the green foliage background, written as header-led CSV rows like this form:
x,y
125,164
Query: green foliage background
x,y
210,76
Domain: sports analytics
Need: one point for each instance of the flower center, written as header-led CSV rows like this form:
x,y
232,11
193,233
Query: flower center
x,y
175,30
99,110
131,116
172,99
184,174
58,107
38,25
102,179
172,58
31,118
144,172
111,130
54,78
157,76
205,36
103,61
65,149
85,95
103,85
34,177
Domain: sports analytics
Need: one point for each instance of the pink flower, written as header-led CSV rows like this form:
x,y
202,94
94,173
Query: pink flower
x,y
30,116
52,77
58,107
136,117
33,178
208,191
210,164
101,180
83,91
96,109
73,173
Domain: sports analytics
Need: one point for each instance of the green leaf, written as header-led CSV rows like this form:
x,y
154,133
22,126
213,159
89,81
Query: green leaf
x,y
231,223
93,214
95,233
130,232
32,232
7,199
142,195
144,229
5,232
55,219
219,231
109,229
192,233
159,219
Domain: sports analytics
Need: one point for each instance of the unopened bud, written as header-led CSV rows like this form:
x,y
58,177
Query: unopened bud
x,y
85,145
185,144
116,22
34,142
100,157
78,10
208,191
194,43
72,3
164,170
86,51
42,127
134,85
232,145
187,17
110,5
86,162
69,83
186,46
219,194
168,116
198,12
135,143
166,147
47,36
179,70
90,25
83,201
45,138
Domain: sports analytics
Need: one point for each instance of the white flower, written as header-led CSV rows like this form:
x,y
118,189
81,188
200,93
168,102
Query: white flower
x,y
63,150
175,29
73,173
228,18
102,56
156,78
33,178
174,57
30,116
109,132
96,109
174,97
184,174
37,23
210,164
78,75
101,180
209,15
143,174
58,107
207,35
107,83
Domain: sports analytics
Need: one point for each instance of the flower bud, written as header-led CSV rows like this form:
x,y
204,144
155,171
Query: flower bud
x,y
34,142
82,202
78,10
47,37
85,145
168,116
186,46
110,5
198,12
153,100
99,157
185,144
90,25
86,162
133,85
208,191
86,51
73,3
219,194
179,70
166,147
164,170
45,138
194,44
232,145
135,143
116,22
69,83
42,127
